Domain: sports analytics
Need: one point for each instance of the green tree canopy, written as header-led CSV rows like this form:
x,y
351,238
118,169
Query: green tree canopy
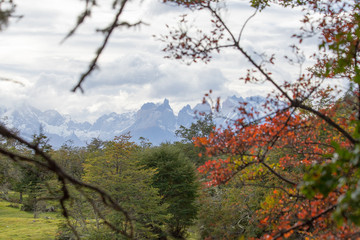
x,y
176,180
116,170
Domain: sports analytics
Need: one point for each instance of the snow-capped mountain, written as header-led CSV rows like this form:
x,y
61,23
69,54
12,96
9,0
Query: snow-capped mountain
x,y
229,108
155,122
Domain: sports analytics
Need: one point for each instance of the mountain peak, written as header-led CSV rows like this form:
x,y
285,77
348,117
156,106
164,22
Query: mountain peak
x,y
148,106
157,122
165,106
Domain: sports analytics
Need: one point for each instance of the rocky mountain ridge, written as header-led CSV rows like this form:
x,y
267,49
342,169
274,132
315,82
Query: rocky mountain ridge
x,y
155,122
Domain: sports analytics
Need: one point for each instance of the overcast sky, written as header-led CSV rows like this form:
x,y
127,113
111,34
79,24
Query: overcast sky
x,y
132,69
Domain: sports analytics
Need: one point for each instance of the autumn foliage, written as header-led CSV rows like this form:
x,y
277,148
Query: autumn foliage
x,y
304,144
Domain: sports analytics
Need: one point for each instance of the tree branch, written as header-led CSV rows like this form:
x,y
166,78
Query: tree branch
x,y
108,32
63,177
278,175
297,226
326,119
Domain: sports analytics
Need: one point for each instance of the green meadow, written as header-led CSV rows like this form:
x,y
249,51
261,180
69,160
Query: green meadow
x,y
16,224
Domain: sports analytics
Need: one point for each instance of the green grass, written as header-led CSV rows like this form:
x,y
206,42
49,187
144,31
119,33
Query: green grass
x,y
16,224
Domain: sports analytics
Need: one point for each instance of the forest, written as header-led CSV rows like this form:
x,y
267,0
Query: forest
x,y
157,188
290,171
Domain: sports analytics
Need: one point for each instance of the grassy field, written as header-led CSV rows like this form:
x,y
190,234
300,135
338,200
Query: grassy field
x,y
16,224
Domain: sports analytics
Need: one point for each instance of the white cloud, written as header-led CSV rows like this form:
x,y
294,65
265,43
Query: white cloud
x,y
132,68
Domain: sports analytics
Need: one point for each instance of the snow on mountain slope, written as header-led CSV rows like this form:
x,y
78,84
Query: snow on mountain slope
x,y
156,122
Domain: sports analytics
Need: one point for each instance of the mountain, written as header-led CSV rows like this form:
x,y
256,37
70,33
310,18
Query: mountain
x,y
155,122
229,108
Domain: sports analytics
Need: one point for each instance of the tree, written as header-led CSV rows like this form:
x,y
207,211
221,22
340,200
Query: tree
x,y
33,179
10,176
306,138
7,9
71,158
69,185
175,178
116,169
300,146
202,128
229,211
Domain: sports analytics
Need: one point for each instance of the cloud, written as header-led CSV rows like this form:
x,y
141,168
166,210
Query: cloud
x,y
155,8
128,70
155,78
180,81
132,68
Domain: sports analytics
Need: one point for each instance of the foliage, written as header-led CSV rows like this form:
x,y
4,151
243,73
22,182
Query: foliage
x,y
115,169
7,9
33,180
202,128
228,211
9,177
302,148
71,159
305,140
176,180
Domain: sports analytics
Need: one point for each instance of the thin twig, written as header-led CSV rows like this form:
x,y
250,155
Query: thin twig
x,y
63,177
309,221
93,64
244,25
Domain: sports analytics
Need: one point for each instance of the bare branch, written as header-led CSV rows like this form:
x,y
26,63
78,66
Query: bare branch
x,y
11,80
108,32
64,178
81,18
293,102
244,25
326,119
